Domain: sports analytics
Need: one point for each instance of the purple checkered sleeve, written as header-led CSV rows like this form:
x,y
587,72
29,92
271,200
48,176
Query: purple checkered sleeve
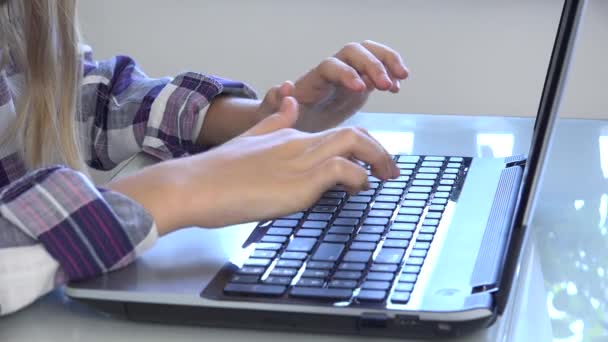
x,y
89,231
125,112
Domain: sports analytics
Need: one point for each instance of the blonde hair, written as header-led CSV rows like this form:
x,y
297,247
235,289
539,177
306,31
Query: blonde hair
x,y
42,39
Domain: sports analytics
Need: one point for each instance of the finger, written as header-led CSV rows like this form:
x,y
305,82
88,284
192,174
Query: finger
x,y
389,57
338,170
365,63
287,88
285,118
336,71
396,172
351,142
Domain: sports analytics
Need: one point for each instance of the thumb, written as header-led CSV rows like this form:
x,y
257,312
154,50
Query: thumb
x,y
285,118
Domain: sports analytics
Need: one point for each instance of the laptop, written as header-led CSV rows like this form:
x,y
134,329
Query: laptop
x,y
432,253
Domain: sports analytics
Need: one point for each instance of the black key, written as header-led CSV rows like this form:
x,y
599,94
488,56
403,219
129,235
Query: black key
x,y
374,185
410,211
408,278
430,222
380,221
328,251
410,166
428,229
289,263
372,229
352,275
309,233
247,279
436,207
360,199
402,178
406,172
392,268
424,237
368,237
333,194
369,192
380,213
274,238
294,255
411,268
380,276
386,198
371,178
321,265
301,244
416,196
319,217
442,201
418,253
294,216
355,206
408,159
415,261
376,285
269,246
336,238
391,192
371,295
346,221
442,195
255,289
422,189
315,273
312,282
406,287
263,254
280,231
343,283
403,226
352,266
278,280
447,182
407,218
426,176
451,170
431,164
390,256
351,213
448,176
285,223
398,234
396,243
257,262
434,158
454,165
395,185
456,159
433,215
283,272
384,205
423,182
314,224
357,256
321,293
341,230
363,246
325,209
414,203
444,188
400,297
329,201
429,170
422,245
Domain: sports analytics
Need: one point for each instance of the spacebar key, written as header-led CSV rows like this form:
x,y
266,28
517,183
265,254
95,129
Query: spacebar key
x,y
255,289
321,293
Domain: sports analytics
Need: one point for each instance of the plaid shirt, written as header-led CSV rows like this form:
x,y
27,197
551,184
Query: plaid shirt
x,y
55,224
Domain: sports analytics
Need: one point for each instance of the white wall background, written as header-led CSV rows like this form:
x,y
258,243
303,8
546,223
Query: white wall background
x,y
466,56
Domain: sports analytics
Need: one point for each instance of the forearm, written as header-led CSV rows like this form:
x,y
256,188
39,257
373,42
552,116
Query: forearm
x,y
226,118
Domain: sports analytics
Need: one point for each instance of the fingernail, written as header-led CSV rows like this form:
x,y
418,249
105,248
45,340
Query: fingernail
x,y
357,84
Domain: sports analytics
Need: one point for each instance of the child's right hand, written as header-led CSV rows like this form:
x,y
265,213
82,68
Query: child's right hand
x,y
269,171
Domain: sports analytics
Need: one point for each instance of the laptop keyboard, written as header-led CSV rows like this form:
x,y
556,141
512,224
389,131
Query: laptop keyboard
x,y
368,247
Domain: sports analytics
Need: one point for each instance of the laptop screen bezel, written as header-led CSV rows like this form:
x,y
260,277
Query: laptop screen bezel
x,y
544,129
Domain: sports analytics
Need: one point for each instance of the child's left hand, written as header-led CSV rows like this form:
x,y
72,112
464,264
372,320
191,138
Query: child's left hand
x,y
339,86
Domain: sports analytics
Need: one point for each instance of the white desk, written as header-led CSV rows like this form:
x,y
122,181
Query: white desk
x,y
563,291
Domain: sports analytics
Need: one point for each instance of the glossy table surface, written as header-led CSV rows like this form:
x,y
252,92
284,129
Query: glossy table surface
x,y
562,293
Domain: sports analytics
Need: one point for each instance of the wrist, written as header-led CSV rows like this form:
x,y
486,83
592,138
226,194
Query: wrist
x,y
228,117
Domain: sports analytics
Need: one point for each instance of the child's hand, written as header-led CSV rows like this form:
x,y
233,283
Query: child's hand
x,y
339,86
269,171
